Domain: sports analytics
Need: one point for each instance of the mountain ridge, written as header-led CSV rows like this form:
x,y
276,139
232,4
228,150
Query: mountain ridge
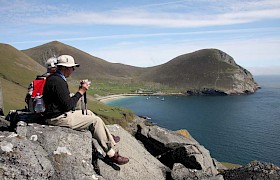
x,y
203,72
196,72
91,66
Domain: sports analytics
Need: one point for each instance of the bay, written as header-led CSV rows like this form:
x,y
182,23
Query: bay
x,y
236,129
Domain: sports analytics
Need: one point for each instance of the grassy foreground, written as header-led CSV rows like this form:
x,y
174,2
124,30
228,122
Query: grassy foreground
x,y
111,114
230,165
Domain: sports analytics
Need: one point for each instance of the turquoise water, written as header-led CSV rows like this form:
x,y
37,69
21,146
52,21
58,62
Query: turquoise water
x,y
236,129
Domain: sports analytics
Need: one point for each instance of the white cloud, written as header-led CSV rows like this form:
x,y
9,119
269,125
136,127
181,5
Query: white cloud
x,y
45,21
170,20
186,15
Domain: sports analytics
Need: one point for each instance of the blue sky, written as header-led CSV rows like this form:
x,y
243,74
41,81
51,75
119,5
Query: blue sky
x,y
149,32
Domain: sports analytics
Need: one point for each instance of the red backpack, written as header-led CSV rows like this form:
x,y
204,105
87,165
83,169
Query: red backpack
x,y
38,86
36,92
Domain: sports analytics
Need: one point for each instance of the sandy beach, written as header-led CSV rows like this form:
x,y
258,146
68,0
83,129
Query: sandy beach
x,y
114,97
118,96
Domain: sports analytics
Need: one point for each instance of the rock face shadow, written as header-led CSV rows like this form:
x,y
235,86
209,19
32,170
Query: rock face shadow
x,y
97,155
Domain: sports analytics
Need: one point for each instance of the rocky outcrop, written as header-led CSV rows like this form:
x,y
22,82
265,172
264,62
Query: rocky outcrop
x,y
180,153
243,82
254,170
50,152
45,152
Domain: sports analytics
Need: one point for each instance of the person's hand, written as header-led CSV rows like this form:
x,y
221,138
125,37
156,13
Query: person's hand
x,y
84,86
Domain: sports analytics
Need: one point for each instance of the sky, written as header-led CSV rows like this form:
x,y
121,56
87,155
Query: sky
x,y
147,33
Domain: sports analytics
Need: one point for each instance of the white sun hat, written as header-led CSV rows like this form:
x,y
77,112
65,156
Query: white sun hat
x,y
66,61
51,62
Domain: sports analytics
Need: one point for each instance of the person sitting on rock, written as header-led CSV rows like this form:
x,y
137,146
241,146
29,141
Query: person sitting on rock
x,y
60,108
51,68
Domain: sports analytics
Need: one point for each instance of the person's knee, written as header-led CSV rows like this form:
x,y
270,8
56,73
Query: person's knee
x,y
99,121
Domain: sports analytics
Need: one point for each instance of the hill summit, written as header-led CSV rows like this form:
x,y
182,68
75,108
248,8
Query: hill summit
x,y
204,72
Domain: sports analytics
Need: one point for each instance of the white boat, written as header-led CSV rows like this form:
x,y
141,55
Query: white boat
x,y
145,117
148,118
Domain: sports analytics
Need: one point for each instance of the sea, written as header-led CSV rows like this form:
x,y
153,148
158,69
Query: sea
x,y
236,129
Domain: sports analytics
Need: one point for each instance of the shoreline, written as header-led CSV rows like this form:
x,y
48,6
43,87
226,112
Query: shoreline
x,y
105,99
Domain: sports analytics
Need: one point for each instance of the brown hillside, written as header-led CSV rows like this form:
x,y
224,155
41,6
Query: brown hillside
x,y
91,67
203,69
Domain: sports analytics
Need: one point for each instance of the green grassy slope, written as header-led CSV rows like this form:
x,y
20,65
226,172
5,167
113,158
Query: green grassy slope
x,y
16,72
18,67
13,95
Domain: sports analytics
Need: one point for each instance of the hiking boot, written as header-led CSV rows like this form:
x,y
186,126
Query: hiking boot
x,y
118,159
116,138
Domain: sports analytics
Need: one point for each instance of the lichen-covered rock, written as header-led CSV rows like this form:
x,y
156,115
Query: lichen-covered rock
x,y
64,146
46,152
23,159
51,152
